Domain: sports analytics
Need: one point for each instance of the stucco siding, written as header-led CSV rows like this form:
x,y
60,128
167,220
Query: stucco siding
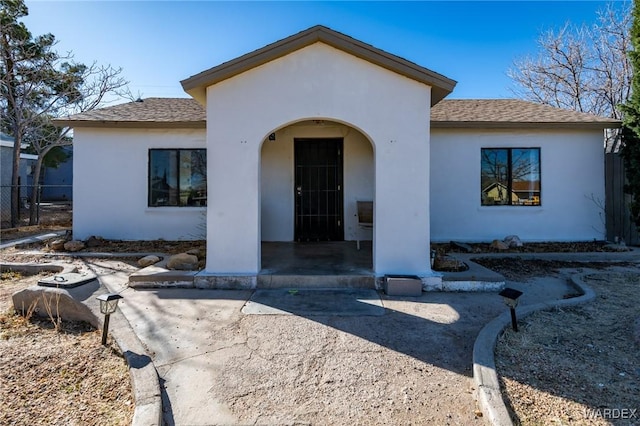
x,y
277,178
110,190
319,82
572,177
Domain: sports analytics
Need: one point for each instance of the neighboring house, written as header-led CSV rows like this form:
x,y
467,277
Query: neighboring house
x,y
27,162
57,182
523,193
289,137
496,194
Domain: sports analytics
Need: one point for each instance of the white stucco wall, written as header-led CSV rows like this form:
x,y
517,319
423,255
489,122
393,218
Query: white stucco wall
x,y
319,82
277,178
572,171
110,186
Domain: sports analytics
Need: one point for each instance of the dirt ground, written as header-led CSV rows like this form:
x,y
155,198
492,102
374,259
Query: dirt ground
x,y
580,365
54,214
61,377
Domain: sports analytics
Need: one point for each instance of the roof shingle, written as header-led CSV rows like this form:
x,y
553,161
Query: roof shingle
x,y
510,113
456,113
150,112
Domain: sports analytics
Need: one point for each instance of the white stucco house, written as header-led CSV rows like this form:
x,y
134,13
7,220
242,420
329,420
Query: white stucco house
x,y
280,144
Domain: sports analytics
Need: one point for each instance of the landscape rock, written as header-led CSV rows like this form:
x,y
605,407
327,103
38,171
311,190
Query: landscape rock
x,y
183,262
448,263
462,246
513,241
60,302
94,241
57,245
74,245
148,261
499,245
616,247
194,252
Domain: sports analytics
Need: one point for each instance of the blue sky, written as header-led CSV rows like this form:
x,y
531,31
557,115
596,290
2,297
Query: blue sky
x,y
159,43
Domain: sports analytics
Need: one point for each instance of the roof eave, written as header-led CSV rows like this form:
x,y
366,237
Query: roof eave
x,y
196,85
525,125
132,124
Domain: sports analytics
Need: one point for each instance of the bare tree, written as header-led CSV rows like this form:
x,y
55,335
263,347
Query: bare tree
x,y
95,83
38,84
582,68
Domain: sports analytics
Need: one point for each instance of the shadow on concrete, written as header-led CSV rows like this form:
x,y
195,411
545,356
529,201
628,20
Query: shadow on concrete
x,y
167,409
136,360
315,302
197,294
437,329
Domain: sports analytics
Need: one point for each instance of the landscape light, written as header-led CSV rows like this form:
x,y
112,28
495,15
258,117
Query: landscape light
x,y
108,305
510,297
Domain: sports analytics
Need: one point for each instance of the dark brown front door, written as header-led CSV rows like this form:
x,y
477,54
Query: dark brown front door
x,y
318,190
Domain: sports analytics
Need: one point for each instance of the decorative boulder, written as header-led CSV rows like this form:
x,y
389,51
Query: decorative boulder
x,y
462,246
183,262
499,245
148,261
93,241
57,245
194,252
513,241
447,263
616,247
74,245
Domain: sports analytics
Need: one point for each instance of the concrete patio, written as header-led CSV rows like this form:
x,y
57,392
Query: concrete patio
x,y
318,265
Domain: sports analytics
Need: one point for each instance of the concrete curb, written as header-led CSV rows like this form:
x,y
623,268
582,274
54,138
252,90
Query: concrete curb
x,y
484,368
36,268
32,239
142,371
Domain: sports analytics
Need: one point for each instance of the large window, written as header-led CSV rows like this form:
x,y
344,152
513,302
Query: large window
x,y
177,177
510,176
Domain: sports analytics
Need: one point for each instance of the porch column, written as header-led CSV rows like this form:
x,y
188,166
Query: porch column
x,y
233,232
402,238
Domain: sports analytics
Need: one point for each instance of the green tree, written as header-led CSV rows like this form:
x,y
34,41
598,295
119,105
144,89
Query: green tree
x,y
38,84
631,122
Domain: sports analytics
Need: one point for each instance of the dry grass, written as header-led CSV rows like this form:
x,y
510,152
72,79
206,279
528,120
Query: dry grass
x,y
564,364
57,372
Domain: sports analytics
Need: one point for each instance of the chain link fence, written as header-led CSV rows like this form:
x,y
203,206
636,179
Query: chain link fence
x,y
53,205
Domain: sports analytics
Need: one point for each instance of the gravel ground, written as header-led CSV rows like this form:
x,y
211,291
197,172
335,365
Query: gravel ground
x,y
570,366
58,377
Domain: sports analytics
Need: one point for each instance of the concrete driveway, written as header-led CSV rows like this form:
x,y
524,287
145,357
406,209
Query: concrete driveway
x,y
410,363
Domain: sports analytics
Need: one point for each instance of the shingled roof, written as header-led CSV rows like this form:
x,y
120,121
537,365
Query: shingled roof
x,y
467,113
511,113
148,113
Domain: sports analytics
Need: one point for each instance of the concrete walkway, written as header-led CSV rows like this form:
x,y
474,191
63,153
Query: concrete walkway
x,y
32,239
196,336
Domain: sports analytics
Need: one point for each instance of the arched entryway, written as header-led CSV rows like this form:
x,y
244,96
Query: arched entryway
x,y
312,174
